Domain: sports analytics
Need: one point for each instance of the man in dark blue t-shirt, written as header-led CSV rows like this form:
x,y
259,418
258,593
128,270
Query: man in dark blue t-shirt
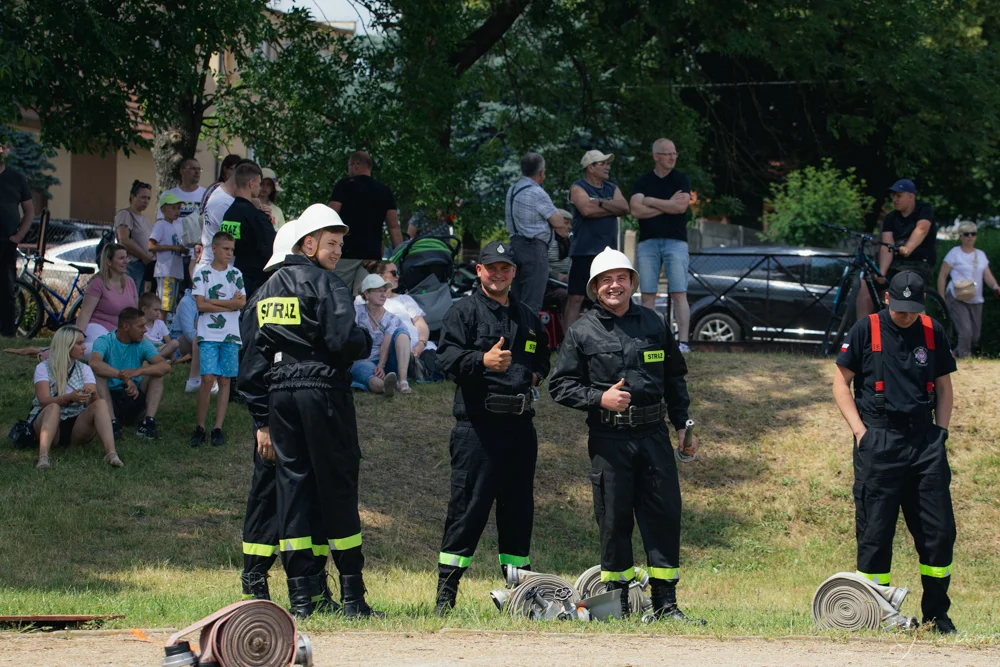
x,y
597,203
14,225
660,200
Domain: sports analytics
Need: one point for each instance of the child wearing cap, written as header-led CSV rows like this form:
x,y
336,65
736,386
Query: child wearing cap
x,y
165,242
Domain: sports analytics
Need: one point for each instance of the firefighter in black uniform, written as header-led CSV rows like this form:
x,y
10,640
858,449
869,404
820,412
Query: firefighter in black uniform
x,y
497,351
304,344
900,360
620,363
260,523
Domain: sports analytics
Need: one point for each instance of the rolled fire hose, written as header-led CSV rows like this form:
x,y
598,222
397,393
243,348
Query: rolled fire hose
x,y
851,602
532,594
589,584
251,633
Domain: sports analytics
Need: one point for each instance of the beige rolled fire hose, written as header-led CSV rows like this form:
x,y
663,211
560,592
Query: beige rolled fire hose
x,y
851,602
251,633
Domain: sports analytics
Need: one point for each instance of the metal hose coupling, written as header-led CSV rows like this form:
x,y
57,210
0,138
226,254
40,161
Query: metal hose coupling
x,y
252,632
849,601
689,427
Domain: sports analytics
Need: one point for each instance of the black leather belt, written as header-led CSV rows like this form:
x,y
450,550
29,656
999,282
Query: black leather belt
x,y
507,404
635,415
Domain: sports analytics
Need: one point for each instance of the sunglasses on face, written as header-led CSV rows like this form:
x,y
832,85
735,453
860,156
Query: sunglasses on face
x,y
668,154
968,233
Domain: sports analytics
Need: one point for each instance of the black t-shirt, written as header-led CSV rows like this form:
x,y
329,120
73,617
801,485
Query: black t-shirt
x,y
902,227
364,203
13,191
254,236
907,364
665,225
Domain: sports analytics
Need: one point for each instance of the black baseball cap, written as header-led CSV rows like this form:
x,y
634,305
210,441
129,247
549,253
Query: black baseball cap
x,y
904,185
497,251
906,293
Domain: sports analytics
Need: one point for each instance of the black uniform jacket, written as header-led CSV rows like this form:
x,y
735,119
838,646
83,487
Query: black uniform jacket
x,y
474,325
600,349
298,332
254,236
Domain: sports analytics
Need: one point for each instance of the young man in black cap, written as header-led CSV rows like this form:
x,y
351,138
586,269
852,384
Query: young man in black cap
x,y
900,361
496,349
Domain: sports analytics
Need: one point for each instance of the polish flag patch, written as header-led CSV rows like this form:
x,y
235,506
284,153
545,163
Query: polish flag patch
x,y
843,348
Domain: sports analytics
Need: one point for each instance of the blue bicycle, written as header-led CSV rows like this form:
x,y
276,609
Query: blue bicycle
x,y
864,268
38,304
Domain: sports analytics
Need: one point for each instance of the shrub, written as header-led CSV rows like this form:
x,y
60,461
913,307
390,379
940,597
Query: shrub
x,y
812,196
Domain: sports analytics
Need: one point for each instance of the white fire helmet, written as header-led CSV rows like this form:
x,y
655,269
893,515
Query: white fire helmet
x,y
607,260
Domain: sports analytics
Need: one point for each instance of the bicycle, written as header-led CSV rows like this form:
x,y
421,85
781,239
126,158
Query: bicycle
x,y
842,313
36,303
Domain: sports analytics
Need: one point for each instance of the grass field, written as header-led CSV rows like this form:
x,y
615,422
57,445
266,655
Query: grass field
x,y
768,509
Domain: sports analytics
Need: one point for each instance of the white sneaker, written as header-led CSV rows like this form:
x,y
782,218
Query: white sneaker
x,y
215,389
192,385
684,348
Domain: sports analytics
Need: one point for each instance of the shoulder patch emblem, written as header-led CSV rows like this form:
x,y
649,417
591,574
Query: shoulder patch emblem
x,y
920,354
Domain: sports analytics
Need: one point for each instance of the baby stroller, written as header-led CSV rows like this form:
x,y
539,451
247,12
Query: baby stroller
x,y
426,267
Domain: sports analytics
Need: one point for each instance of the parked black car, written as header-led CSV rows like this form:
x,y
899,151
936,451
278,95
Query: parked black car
x,y
762,293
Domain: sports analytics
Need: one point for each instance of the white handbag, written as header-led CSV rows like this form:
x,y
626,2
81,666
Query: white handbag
x,y
965,290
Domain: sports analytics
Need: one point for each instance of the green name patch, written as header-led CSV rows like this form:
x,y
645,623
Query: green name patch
x,y
230,227
530,346
279,310
653,356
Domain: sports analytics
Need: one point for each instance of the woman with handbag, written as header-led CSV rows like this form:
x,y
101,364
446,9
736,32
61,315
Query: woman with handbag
x,y
969,270
66,407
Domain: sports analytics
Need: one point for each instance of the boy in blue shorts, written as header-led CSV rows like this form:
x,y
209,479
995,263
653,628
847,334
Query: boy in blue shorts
x,y
219,292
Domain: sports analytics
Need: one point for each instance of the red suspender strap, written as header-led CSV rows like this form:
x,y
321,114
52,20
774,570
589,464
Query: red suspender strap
x,y
928,325
876,336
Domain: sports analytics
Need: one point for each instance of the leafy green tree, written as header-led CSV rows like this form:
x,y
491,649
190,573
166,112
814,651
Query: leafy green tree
x,y
810,197
31,158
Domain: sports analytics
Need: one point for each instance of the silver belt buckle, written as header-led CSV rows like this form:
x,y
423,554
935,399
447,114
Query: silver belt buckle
x,y
524,404
625,419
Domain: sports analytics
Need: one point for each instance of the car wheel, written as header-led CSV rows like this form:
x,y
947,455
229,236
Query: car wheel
x,y
718,328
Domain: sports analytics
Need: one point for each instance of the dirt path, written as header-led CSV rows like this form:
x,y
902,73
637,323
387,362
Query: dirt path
x,y
472,649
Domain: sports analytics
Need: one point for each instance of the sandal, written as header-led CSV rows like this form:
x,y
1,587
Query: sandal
x,y
389,385
43,463
404,387
113,459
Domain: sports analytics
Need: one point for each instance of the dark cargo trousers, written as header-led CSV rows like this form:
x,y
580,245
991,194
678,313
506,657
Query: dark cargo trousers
x,y
905,464
491,460
315,438
636,475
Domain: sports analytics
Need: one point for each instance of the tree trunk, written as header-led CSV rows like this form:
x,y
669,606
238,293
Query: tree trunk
x,y
173,144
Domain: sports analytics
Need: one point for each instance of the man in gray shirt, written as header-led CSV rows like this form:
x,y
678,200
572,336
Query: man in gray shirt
x,y
531,219
14,225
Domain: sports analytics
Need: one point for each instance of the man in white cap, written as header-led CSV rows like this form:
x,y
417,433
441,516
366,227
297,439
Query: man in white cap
x,y
597,203
620,363
296,379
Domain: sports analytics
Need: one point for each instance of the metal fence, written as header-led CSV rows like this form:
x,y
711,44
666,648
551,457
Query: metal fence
x,y
759,294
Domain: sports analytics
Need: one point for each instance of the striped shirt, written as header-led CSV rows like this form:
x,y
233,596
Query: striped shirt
x,y
528,209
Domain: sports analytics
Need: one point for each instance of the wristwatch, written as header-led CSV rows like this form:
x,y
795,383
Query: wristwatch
x,y
600,202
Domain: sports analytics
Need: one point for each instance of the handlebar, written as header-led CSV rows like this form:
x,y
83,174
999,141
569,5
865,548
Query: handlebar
x,y
862,236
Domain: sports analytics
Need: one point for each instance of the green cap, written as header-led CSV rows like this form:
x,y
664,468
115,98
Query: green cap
x,y
169,198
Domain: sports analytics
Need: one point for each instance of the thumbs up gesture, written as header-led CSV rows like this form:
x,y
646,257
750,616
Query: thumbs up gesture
x,y
615,399
497,359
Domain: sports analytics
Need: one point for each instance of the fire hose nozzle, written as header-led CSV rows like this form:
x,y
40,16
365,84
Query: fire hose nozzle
x,y
303,651
689,432
500,597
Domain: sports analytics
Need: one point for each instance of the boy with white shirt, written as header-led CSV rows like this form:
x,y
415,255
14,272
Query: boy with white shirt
x,y
157,332
219,292
165,241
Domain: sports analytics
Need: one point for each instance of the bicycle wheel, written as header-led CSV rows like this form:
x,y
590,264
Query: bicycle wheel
x,y
840,321
935,306
32,314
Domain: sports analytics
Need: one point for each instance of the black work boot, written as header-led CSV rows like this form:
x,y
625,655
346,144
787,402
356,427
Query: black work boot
x,y
664,595
447,590
255,586
352,595
301,591
623,587
935,604
325,604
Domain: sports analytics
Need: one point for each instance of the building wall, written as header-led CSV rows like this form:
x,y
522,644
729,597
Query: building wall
x,y
92,191
59,205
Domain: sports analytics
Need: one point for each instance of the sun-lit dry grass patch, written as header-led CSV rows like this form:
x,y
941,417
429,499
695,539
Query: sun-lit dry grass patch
x,y
768,510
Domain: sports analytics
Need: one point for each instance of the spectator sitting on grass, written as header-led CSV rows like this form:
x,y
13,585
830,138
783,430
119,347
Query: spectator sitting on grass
x,y
120,361
65,407
390,343
219,293
106,295
157,332
406,308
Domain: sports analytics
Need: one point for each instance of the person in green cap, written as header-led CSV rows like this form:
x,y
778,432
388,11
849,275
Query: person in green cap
x,y
166,243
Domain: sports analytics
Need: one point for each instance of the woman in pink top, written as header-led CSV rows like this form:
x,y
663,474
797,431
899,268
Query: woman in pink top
x,y
110,292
